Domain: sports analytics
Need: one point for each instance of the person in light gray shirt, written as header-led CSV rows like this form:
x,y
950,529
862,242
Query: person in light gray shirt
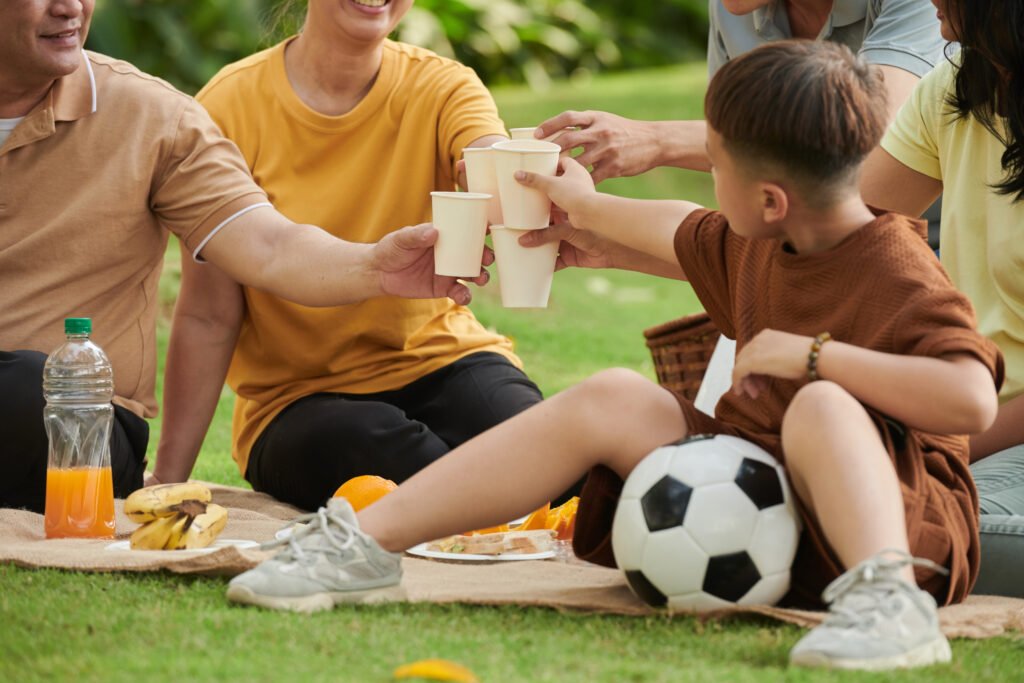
x,y
901,37
903,34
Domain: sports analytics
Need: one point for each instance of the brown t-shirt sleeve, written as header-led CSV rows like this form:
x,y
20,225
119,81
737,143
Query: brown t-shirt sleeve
x,y
203,180
941,321
702,246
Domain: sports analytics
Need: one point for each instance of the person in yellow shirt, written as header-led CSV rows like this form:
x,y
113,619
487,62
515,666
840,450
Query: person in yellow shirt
x,y
351,131
99,163
962,133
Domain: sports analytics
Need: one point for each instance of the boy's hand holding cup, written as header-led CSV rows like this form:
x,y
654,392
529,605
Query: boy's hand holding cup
x,y
569,192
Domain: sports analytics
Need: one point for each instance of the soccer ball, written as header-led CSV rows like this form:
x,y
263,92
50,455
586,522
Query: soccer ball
x,y
705,523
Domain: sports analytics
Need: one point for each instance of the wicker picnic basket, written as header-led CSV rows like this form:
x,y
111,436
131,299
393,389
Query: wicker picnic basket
x,y
681,350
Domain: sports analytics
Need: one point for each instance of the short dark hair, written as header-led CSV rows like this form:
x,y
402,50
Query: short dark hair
x,y
811,108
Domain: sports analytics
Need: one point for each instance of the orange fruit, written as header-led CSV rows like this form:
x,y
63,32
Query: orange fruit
x,y
363,490
537,519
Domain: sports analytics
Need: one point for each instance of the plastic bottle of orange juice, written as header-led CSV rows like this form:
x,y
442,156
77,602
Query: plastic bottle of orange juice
x,y
78,384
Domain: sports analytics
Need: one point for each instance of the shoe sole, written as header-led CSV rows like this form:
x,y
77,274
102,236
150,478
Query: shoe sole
x,y
318,602
933,652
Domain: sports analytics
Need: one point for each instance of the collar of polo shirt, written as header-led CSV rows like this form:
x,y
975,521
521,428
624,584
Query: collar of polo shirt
x,y
74,95
71,98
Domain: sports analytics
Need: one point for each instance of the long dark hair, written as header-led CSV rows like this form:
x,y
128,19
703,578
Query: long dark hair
x,y
990,77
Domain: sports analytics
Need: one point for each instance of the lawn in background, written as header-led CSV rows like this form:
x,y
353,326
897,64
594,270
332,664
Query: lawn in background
x,y
61,626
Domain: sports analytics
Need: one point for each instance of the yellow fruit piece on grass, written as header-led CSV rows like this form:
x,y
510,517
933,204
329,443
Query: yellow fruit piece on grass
x,y
436,670
537,520
364,490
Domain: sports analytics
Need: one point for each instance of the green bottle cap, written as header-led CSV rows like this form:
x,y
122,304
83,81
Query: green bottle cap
x,y
77,325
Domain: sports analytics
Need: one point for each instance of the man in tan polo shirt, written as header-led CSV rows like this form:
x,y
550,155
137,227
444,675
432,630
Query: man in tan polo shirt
x,y
98,163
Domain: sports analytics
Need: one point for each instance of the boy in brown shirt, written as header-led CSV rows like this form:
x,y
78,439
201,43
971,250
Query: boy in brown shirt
x,y
869,419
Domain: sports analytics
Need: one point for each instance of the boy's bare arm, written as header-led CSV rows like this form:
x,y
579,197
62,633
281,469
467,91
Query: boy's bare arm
x,y
587,249
646,226
953,394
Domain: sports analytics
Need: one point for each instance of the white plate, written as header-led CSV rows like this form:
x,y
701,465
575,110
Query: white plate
x,y
421,551
287,531
217,545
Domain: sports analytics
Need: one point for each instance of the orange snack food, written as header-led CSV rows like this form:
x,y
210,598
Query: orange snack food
x,y
537,520
363,490
563,519
79,503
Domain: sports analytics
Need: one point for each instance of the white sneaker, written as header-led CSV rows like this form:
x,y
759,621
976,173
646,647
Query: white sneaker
x,y
876,620
326,562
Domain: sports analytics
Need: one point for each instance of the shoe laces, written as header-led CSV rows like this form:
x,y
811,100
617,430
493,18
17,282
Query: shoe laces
x,y
339,534
856,597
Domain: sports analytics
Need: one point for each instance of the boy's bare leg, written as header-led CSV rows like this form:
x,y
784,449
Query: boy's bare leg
x,y
843,473
878,617
614,418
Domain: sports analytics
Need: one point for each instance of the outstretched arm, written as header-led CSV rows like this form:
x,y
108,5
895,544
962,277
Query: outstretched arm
x,y
587,249
645,226
615,146
207,318
952,394
304,264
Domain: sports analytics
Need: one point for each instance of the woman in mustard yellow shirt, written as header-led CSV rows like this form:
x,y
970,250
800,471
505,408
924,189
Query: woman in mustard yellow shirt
x,y
350,131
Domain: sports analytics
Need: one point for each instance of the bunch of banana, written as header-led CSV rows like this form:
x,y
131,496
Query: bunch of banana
x,y
174,517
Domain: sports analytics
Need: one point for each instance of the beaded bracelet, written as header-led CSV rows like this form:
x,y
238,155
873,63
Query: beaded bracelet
x,y
812,357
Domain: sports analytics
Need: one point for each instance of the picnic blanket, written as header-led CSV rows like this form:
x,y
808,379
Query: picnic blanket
x,y
564,586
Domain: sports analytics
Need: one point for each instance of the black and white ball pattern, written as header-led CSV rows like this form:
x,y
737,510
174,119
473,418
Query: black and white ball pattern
x,y
706,523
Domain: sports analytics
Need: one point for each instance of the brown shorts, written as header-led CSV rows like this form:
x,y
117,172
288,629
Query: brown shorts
x,y
939,501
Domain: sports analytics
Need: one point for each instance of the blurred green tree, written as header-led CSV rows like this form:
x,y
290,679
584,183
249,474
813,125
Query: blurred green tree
x,y
186,42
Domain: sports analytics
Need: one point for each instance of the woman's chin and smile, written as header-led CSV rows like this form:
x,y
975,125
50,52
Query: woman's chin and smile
x,y
364,20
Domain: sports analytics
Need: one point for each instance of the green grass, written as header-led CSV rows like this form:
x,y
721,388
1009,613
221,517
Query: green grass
x,y
88,627
60,626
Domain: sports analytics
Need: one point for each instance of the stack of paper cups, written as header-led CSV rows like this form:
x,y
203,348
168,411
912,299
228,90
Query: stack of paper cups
x,y
481,178
524,273
461,222
524,208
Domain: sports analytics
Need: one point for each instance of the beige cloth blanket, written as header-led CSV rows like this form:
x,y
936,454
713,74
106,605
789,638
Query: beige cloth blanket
x,y
580,587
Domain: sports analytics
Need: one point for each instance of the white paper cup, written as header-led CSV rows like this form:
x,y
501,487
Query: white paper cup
x,y
528,134
480,177
524,273
461,222
524,208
